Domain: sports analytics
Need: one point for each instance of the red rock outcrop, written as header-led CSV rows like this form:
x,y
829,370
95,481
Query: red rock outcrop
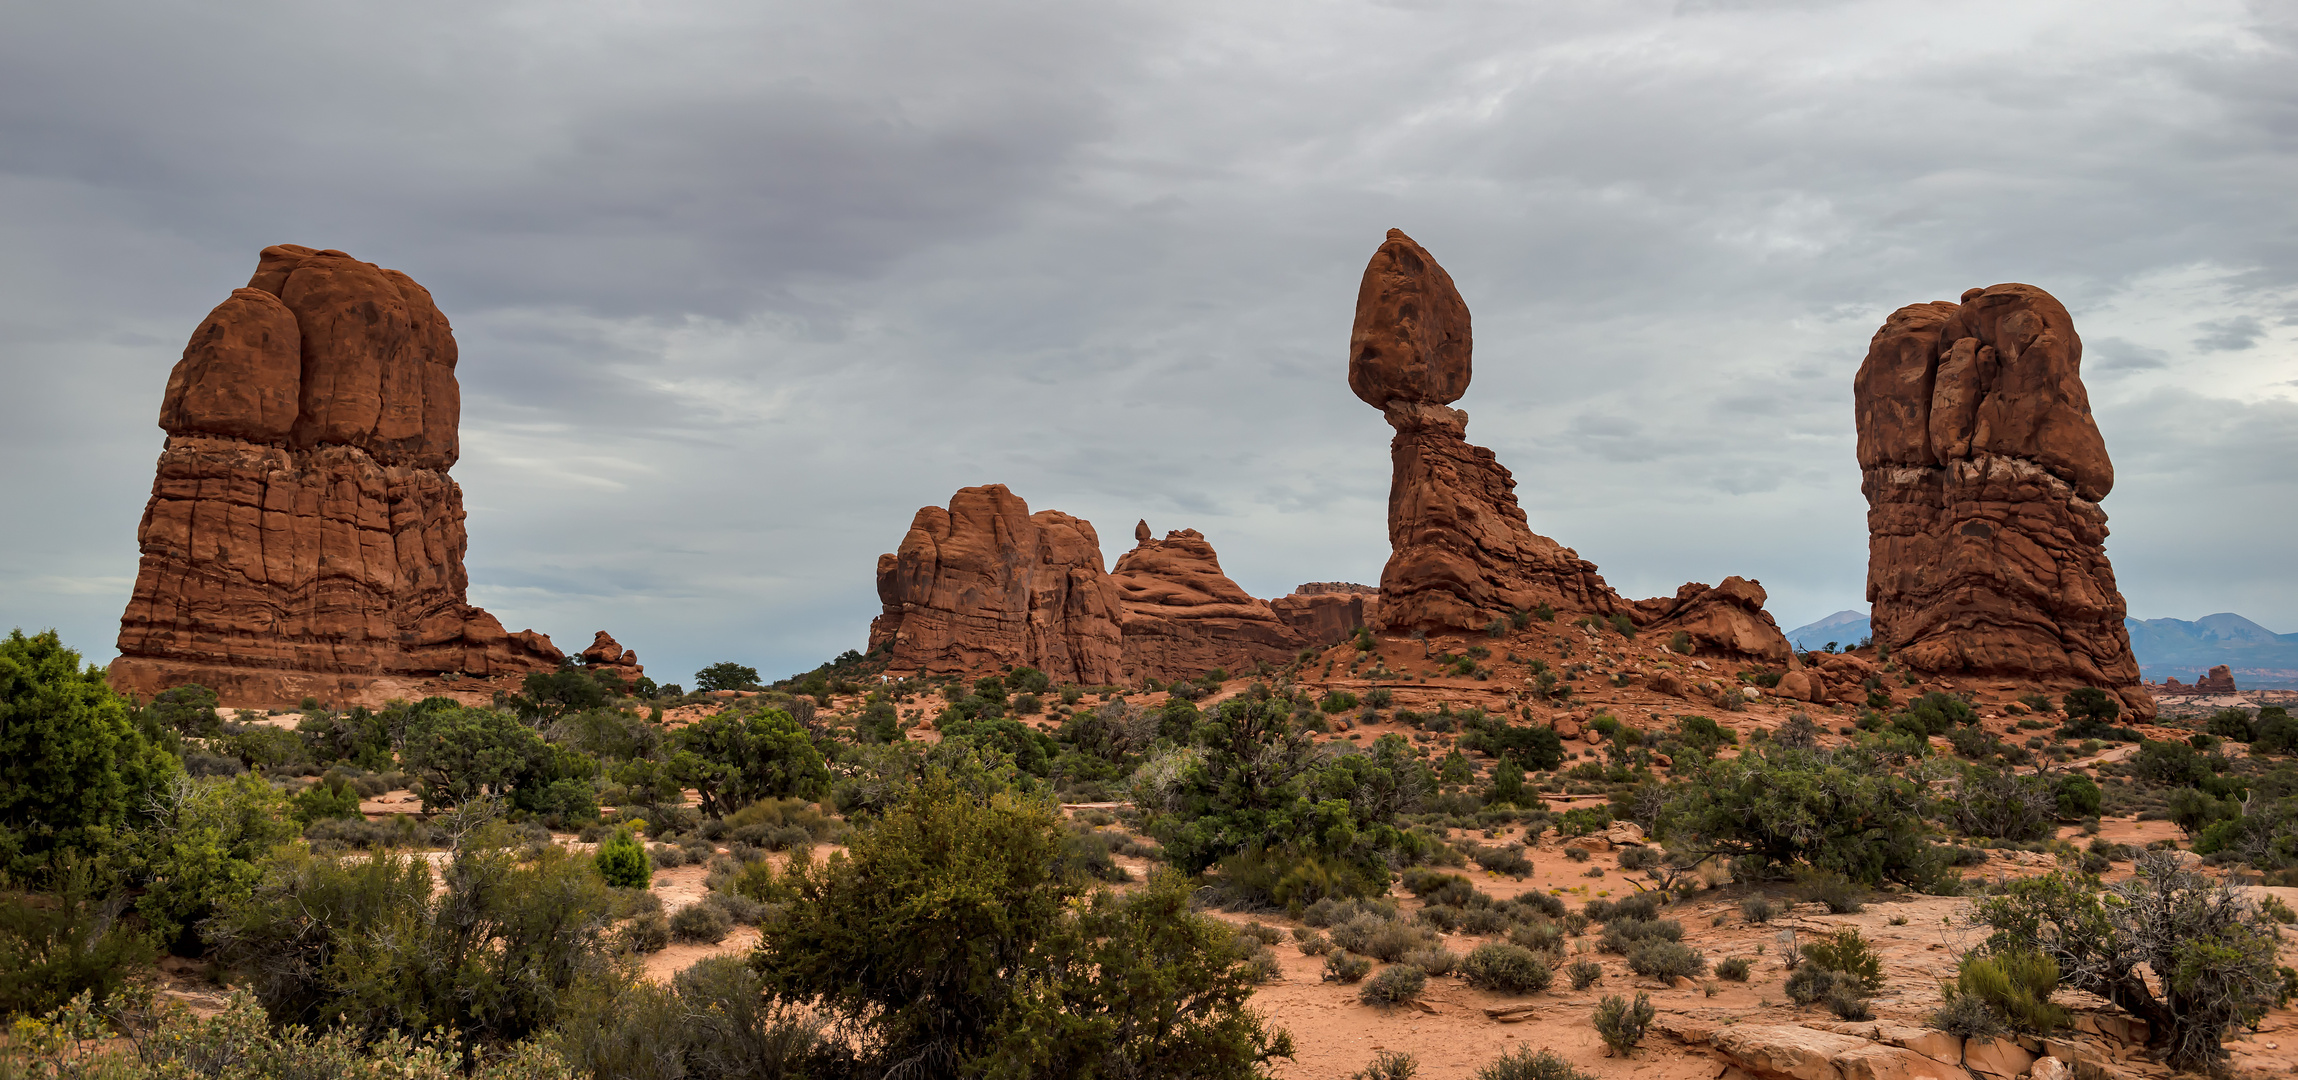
x,y
2219,681
303,536
1328,612
1728,618
1461,550
1983,471
986,583
1184,617
605,653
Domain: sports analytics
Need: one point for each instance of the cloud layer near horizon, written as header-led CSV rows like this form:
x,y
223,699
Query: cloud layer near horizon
x,y
739,287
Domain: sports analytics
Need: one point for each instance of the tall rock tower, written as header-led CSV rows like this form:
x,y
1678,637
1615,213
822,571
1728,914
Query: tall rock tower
x,y
303,536
1983,472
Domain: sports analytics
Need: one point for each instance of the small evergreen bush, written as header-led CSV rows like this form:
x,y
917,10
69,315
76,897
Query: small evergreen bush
x,y
1585,973
1523,1063
1506,969
1395,985
622,861
1341,967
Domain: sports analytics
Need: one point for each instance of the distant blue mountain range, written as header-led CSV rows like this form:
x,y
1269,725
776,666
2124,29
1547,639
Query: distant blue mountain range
x,y
2165,647
1845,628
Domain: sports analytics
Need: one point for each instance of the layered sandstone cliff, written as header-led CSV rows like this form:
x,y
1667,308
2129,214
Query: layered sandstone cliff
x,y
985,583
1184,616
1983,471
303,536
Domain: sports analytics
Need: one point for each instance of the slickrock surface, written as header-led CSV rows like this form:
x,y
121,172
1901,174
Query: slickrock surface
x,y
1328,612
986,583
1983,471
1461,550
605,652
1184,617
303,536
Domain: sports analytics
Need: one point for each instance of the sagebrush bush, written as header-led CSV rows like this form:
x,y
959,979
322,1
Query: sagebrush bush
x,y
1585,973
1311,942
1622,1024
1435,960
1395,985
1621,935
1389,1065
1507,969
1840,894
1490,920
1539,935
1756,909
1524,1063
1341,967
1441,916
1666,960
1811,983
1733,970
707,923
646,932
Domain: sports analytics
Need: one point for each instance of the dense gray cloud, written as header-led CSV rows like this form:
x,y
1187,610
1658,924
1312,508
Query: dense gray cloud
x,y
740,286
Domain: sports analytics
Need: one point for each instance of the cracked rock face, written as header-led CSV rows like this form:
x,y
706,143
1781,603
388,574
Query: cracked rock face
x,y
985,583
303,536
1983,471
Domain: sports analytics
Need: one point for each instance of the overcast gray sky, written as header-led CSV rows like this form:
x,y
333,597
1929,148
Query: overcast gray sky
x,y
740,286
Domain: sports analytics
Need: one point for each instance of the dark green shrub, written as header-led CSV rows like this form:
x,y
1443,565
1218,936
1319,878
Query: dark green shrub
x,y
1756,909
1621,1024
1585,973
2077,796
73,763
1839,894
623,862
1394,986
1811,984
1506,969
1623,933
1341,967
1733,970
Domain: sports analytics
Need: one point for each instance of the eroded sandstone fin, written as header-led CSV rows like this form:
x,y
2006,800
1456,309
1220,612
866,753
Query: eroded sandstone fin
x,y
1983,469
303,536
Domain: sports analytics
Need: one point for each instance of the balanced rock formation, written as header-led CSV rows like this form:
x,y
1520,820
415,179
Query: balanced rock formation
x,y
986,583
607,654
1184,617
1983,471
1328,612
1461,550
303,536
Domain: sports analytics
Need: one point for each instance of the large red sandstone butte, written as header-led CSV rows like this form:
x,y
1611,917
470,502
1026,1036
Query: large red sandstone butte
x,y
1983,472
303,536
1184,617
986,583
1461,551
